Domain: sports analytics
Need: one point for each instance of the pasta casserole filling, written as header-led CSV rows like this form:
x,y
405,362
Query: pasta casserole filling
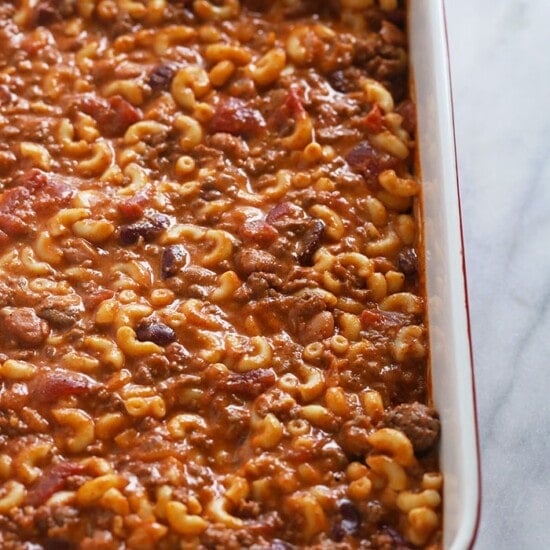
x,y
211,290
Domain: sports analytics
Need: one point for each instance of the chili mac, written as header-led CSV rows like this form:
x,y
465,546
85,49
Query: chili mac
x,y
213,317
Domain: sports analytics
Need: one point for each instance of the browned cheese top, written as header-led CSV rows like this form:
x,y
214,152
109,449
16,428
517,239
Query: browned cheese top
x,y
213,329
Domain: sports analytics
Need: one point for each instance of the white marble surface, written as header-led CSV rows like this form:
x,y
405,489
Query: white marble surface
x,y
500,65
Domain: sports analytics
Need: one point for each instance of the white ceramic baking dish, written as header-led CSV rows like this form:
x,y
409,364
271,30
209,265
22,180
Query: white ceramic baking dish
x,y
451,363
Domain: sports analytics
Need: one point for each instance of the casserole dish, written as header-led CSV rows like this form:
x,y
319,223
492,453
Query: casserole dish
x,y
214,316
451,362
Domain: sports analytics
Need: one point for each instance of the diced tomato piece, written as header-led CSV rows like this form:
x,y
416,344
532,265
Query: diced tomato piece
x,y
294,103
113,116
35,193
258,231
132,209
380,320
370,162
123,115
280,210
235,116
374,121
51,386
248,384
52,481
13,225
289,111
47,189
93,297
407,110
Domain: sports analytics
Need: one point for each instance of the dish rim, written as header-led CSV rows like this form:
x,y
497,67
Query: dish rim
x,y
470,507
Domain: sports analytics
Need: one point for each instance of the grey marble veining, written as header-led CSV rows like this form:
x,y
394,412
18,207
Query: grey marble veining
x,y
500,65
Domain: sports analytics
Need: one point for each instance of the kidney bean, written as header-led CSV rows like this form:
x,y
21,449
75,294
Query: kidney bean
x,y
161,77
155,332
148,229
310,241
407,260
173,259
349,523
